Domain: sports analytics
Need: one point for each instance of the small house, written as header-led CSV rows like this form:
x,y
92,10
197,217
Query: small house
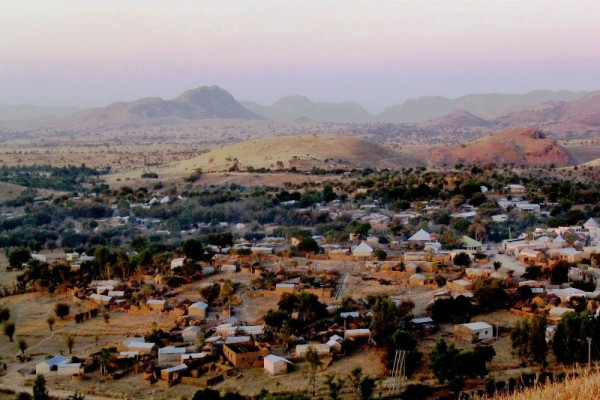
x,y
362,250
417,280
50,364
170,355
244,355
197,311
322,349
190,333
156,305
177,262
70,369
173,374
276,365
474,331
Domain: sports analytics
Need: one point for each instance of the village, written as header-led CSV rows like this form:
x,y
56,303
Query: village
x,y
241,310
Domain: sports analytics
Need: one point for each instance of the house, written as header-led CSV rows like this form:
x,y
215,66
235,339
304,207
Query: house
x,y
139,345
459,285
357,334
50,364
470,244
474,331
362,250
156,305
39,257
70,369
190,333
417,280
276,365
229,268
245,355
322,349
555,314
420,237
516,189
567,254
170,355
198,310
532,257
173,374
282,288
177,263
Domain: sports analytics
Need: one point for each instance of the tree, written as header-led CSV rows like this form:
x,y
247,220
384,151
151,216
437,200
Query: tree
x,y
366,388
210,292
313,363
207,394
23,396
380,254
50,320
490,294
18,257
22,346
39,389
462,259
355,378
9,330
220,240
61,310
453,365
497,265
192,248
70,342
334,385
4,314
308,245
104,357
106,317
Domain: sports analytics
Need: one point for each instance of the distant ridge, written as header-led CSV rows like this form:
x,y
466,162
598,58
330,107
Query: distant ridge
x,y
206,102
487,106
518,145
302,109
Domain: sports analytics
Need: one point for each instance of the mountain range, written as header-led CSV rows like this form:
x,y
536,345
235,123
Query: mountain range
x,y
559,114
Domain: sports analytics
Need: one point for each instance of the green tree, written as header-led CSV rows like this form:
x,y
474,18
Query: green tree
x,y
207,394
313,363
22,346
462,259
334,385
4,314
210,292
366,388
192,248
9,330
18,257
308,245
39,389
497,265
61,310
220,240
380,254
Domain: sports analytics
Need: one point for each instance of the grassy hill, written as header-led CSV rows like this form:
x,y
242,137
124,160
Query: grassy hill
x,y
302,152
586,386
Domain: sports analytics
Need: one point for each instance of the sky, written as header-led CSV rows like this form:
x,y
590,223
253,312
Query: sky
x,y
378,53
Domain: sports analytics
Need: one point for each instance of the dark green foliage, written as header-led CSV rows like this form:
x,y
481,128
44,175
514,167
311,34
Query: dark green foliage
x,y
490,294
18,257
4,314
39,389
207,394
416,392
586,286
210,292
462,260
67,178
528,340
447,309
450,364
366,388
380,254
61,310
533,272
220,240
570,343
192,248
559,273
308,245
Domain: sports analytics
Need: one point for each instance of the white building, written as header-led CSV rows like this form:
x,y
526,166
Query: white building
x,y
198,310
474,331
51,364
276,365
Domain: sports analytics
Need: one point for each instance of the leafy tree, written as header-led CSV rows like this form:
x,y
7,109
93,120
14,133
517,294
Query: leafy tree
x,y
106,317
192,248
22,346
50,320
569,344
220,239
334,385
328,194
453,365
462,259
61,310
9,330
559,273
23,396
210,292
403,340
366,388
490,294
417,392
497,265
39,389
308,245
18,257
355,378
313,363
380,254
4,314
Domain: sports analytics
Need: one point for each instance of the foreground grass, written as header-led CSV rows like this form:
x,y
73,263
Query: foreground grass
x,y
584,386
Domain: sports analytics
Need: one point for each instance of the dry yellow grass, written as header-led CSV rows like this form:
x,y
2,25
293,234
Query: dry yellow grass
x,y
584,386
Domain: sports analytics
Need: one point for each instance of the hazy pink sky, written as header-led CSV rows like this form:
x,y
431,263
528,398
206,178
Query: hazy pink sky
x,y
375,52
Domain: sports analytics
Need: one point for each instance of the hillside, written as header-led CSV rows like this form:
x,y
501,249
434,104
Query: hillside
x,y
487,106
585,386
302,152
519,145
561,118
302,109
207,102
455,121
